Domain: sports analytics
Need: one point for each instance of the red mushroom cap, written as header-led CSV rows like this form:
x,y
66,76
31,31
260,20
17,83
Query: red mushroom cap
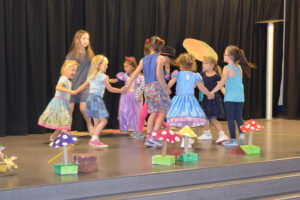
x,y
251,125
166,135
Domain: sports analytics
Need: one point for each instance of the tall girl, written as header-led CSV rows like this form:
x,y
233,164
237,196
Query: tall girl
x,y
234,90
129,107
56,115
95,107
213,108
156,90
82,52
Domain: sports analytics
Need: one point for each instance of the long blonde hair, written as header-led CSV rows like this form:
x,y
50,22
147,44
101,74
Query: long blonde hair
x,y
97,65
67,64
213,61
74,49
188,62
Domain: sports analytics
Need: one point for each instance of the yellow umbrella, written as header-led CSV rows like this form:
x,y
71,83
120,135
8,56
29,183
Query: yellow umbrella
x,y
199,49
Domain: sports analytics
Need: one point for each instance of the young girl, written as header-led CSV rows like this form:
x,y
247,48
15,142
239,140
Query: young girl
x,y
129,107
234,90
185,108
82,52
56,116
95,107
156,90
213,108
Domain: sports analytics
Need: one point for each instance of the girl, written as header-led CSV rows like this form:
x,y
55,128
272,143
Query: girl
x,y
156,90
95,107
82,52
56,116
213,108
185,108
234,90
129,107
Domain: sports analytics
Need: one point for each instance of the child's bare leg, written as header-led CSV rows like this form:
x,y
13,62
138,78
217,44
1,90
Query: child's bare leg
x,y
150,122
161,117
206,126
88,120
217,124
99,126
54,134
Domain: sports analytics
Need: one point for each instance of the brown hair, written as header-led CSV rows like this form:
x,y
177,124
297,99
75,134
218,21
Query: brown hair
x,y
238,55
131,61
187,60
74,49
156,43
213,61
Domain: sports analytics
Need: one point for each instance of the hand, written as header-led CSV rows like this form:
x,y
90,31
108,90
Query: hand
x,y
141,98
211,95
73,92
124,89
167,91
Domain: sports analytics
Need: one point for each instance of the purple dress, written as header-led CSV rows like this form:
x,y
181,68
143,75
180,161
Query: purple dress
x,y
129,107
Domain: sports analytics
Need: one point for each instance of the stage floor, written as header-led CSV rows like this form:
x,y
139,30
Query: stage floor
x,y
125,156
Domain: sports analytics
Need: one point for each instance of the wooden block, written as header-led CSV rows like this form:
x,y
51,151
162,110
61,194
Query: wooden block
x,y
159,160
86,162
62,169
251,149
3,167
189,157
176,152
237,151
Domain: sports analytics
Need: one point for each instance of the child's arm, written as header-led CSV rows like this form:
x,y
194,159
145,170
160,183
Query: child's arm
x,y
172,82
134,74
222,81
204,90
60,87
82,86
113,80
167,69
112,89
159,75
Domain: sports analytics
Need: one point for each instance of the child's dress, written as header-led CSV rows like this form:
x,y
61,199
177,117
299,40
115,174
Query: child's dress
x,y
56,115
185,109
129,107
212,107
95,106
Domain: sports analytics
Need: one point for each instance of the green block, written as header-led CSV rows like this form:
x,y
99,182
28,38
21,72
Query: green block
x,y
167,160
62,169
189,157
251,149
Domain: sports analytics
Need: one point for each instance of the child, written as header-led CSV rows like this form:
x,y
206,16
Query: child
x,y
185,108
156,90
56,116
234,90
169,54
129,107
95,107
213,108
82,52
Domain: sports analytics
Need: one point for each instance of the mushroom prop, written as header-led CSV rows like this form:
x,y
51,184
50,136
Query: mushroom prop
x,y
165,136
251,126
7,163
187,132
63,140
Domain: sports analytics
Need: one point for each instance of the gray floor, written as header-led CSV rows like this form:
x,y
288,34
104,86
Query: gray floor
x,y
125,156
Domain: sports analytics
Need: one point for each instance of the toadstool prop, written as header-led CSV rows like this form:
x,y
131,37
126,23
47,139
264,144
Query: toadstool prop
x,y
187,132
251,126
165,136
7,163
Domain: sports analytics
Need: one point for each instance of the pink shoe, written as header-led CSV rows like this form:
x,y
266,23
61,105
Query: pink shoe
x,y
97,144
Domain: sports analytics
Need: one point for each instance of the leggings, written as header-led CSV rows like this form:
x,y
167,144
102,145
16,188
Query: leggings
x,y
234,111
143,115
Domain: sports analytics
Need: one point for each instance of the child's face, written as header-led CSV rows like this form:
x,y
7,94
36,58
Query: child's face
x,y
70,72
105,66
226,56
85,40
207,66
127,67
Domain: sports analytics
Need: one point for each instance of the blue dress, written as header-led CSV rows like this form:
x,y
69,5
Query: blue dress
x,y
185,109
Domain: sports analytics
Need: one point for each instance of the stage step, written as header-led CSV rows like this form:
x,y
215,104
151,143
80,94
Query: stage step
x,y
257,176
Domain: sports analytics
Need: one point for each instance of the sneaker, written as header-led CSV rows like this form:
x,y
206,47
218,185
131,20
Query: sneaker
x,y
155,141
139,135
191,141
133,134
242,139
149,144
97,144
222,139
205,136
230,143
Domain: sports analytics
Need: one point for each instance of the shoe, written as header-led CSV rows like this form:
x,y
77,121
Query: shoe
x,y
133,134
242,139
205,136
139,135
90,129
191,141
155,141
97,144
230,143
149,144
221,139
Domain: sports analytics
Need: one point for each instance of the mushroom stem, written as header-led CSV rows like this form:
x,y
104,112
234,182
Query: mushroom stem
x,y
65,154
250,138
164,149
186,144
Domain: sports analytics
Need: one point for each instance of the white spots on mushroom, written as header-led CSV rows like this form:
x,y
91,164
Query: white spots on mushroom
x,y
177,139
154,134
57,141
65,137
164,132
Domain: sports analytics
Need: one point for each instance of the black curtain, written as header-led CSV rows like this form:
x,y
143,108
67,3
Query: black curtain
x,y
35,36
292,60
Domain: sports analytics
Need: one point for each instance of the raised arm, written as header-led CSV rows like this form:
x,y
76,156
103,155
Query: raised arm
x,y
172,82
113,80
159,75
135,73
222,81
110,88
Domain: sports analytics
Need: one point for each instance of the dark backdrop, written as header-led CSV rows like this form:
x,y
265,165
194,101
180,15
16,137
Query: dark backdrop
x,y
35,36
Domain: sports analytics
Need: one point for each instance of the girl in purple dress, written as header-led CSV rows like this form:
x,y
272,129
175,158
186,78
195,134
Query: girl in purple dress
x,y
129,107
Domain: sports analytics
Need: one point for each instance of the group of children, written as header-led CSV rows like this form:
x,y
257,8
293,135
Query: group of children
x,y
183,109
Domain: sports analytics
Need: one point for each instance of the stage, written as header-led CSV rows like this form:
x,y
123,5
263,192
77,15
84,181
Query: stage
x,y
127,162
